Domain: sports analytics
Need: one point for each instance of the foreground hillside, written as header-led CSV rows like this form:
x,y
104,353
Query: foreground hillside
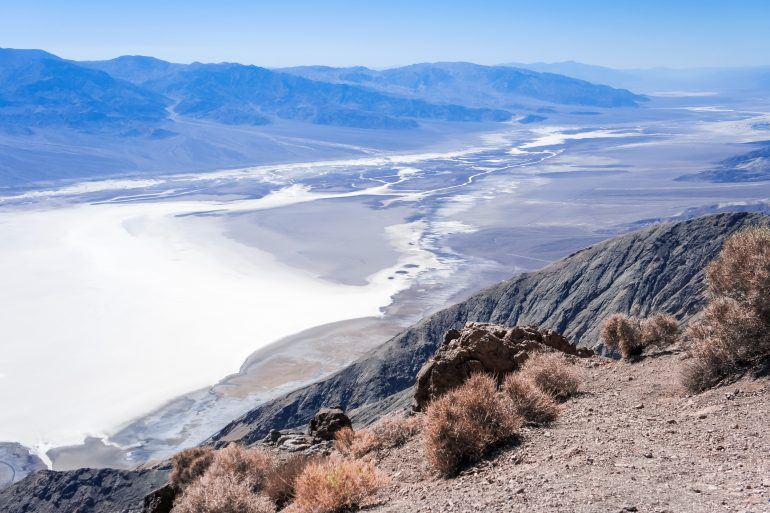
x,y
632,440
655,269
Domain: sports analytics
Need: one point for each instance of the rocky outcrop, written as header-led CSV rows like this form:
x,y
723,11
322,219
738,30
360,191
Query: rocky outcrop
x,y
659,268
297,441
327,422
160,500
82,491
487,348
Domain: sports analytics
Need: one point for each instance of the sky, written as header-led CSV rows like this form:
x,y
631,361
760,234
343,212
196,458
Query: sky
x,y
615,33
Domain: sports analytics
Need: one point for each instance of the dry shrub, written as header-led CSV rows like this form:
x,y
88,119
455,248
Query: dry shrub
x,y
463,424
280,482
659,330
343,440
529,401
726,340
394,431
741,272
222,493
711,362
334,485
623,333
734,333
189,465
249,466
551,373
389,432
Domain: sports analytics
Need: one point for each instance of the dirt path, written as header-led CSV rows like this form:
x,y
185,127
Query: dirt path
x,y
632,441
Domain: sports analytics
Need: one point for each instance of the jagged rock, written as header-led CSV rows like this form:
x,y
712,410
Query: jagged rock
x,y
160,500
327,422
273,436
296,441
488,348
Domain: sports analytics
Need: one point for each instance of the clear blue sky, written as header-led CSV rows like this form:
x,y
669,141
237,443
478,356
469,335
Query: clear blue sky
x,y
617,33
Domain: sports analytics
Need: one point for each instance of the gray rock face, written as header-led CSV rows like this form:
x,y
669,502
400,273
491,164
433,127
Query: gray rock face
x,y
160,500
659,268
487,348
82,491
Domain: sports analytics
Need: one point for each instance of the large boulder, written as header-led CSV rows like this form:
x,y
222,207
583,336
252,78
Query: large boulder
x,y
487,348
327,422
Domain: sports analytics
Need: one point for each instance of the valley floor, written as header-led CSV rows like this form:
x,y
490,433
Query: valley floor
x,y
632,441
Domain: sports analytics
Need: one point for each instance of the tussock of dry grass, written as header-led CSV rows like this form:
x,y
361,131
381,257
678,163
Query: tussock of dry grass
x,y
335,485
734,333
189,465
280,482
552,374
389,432
623,333
222,493
659,330
395,431
248,466
463,424
531,403
631,336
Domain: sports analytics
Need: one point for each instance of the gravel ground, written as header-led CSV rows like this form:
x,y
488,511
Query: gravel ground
x,y
633,440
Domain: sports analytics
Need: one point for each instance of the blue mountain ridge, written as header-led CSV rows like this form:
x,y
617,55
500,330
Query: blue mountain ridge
x,y
40,89
477,85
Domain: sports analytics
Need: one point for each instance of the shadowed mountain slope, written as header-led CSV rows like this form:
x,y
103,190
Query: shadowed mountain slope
x,y
655,269
234,93
82,491
40,89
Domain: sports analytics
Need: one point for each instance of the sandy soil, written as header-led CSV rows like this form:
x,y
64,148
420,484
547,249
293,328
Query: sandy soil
x,y
632,441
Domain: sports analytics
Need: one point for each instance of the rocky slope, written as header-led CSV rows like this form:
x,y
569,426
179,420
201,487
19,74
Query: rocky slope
x,y
657,268
82,491
632,440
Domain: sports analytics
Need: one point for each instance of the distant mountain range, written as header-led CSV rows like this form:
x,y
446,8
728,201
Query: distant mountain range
x,y
652,80
250,95
753,166
472,84
40,89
